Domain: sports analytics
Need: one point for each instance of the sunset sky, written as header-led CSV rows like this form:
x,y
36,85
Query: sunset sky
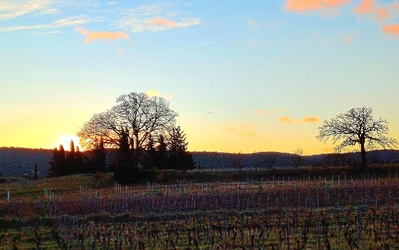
x,y
244,76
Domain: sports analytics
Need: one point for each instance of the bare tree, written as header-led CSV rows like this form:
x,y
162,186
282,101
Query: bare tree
x,y
137,116
357,126
297,157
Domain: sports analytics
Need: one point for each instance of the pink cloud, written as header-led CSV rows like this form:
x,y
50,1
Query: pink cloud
x,y
163,22
392,29
286,119
304,120
154,92
368,7
251,23
243,130
308,119
82,30
96,35
310,5
101,35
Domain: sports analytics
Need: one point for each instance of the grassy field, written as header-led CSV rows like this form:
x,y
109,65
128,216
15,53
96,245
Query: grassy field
x,y
296,209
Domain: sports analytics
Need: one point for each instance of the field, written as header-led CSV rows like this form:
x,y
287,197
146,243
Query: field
x,y
337,210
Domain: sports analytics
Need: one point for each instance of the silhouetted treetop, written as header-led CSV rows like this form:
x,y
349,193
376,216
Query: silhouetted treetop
x,y
136,115
130,125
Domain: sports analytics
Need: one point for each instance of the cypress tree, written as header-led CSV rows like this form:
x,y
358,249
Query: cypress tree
x,y
58,163
71,168
35,172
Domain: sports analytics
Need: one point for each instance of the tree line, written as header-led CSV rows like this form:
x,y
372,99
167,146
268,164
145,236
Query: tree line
x,y
76,162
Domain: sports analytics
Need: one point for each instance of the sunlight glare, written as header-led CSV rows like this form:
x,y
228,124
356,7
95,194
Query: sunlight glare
x,y
65,141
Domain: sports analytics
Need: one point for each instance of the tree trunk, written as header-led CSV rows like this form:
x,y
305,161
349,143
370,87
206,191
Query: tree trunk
x,y
135,149
363,157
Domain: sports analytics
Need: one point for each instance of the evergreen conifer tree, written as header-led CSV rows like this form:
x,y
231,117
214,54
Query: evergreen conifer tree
x,y
178,156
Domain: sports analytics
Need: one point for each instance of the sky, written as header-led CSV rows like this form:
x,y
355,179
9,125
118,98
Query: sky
x,y
244,76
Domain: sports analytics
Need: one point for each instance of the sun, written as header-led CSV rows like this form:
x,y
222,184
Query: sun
x,y
65,141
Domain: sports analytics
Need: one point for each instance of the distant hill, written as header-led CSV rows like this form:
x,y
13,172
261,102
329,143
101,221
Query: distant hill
x,y
214,160
21,161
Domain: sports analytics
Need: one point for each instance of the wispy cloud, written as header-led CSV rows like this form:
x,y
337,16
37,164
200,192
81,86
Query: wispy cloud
x,y
313,5
12,9
253,24
381,13
163,22
101,35
263,112
154,92
350,38
392,29
70,21
304,120
157,17
369,7
243,130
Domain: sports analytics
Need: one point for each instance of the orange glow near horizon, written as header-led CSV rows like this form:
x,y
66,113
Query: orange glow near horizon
x,y
65,141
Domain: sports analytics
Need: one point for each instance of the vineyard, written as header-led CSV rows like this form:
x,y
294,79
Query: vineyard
x,y
307,212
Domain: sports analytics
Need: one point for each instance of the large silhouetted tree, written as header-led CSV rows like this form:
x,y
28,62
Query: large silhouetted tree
x,y
137,116
129,125
357,126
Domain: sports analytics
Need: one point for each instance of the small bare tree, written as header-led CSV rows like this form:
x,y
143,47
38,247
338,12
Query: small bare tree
x,y
297,157
357,126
